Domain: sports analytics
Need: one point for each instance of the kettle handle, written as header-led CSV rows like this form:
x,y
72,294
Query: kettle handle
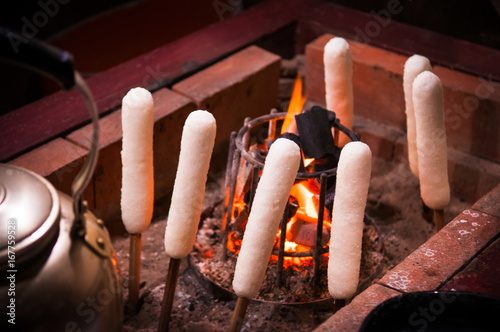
x,y
83,177
37,56
58,64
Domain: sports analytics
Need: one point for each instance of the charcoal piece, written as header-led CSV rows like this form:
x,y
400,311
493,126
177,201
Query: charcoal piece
x,y
293,205
296,140
315,133
290,136
332,160
331,115
239,224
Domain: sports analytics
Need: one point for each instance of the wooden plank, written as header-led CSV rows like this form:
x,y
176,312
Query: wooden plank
x,y
61,112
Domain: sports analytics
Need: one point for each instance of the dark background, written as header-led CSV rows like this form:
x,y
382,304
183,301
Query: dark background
x,y
103,33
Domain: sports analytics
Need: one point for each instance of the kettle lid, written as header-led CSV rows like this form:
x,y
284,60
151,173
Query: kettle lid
x,y
29,214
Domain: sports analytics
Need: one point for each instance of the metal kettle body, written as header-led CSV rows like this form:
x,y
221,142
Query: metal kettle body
x,y
54,281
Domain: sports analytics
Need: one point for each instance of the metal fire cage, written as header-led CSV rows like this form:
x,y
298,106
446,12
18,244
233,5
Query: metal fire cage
x,y
238,149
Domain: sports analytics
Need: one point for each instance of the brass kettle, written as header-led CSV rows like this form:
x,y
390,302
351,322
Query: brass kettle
x,y
58,267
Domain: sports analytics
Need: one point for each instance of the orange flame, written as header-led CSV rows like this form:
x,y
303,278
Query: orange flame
x,y
306,194
307,208
308,161
294,108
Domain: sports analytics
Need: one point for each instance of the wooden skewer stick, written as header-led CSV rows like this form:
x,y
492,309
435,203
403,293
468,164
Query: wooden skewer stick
x,y
239,314
134,273
168,296
439,219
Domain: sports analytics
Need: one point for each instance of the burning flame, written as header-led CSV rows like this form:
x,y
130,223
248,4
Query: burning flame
x,y
294,108
306,194
307,209
308,161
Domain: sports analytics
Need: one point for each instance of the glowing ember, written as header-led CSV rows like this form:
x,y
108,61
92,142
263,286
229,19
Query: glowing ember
x,y
308,161
301,228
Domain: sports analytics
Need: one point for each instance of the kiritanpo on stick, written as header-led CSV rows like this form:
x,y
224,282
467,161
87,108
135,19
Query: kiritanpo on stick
x,y
271,197
415,65
137,197
428,102
337,60
197,142
353,180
